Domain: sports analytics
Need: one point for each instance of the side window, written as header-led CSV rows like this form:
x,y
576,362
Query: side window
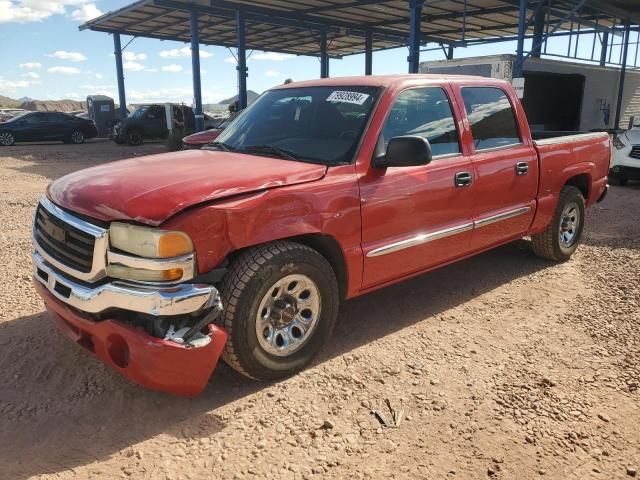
x,y
493,122
425,112
34,118
155,112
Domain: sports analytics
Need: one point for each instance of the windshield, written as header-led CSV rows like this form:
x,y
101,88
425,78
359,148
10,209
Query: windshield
x,y
139,112
315,124
228,121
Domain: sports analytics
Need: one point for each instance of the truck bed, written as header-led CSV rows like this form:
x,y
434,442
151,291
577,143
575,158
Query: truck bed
x,y
561,157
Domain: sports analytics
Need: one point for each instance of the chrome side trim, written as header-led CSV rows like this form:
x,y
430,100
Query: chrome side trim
x,y
447,232
501,216
176,300
98,269
571,138
186,263
420,239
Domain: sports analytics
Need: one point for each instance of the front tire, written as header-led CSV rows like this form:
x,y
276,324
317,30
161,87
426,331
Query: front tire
x,y
134,138
7,139
281,303
562,236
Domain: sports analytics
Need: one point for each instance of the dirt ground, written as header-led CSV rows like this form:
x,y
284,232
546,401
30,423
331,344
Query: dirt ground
x,y
505,366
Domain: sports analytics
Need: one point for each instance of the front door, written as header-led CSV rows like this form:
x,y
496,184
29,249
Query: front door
x,y
505,165
414,218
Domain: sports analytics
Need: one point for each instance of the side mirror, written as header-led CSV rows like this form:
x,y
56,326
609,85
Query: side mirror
x,y
408,151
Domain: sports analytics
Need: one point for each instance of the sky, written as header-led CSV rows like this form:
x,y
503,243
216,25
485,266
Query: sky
x,y
46,57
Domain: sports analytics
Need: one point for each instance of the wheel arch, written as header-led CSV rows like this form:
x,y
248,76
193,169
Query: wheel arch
x,y
325,245
582,182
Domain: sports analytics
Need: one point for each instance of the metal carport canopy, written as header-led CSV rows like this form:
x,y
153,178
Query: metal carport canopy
x,y
335,28
294,26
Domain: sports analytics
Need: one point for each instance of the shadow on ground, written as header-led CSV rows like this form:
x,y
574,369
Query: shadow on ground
x,y
65,409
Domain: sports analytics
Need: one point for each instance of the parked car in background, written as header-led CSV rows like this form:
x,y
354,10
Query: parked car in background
x,y
150,122
8,113
43,126
319,192
198,140
625,164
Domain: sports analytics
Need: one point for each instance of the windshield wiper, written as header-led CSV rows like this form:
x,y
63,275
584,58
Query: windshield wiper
x,y
225,147
281,152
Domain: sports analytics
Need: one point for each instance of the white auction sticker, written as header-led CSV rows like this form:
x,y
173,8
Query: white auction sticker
x,y
356,98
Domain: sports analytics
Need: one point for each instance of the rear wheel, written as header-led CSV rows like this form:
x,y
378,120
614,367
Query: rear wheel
x,y
134,138
7,139
281,303
77,137
562,236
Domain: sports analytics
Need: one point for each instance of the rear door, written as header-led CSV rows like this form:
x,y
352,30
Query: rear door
x,y
414,218
59,126
505,164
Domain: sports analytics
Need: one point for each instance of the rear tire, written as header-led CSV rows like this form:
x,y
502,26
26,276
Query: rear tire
x,y
77,137
281,303
562,236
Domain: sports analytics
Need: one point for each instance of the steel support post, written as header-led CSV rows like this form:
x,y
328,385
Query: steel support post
x,y
195,69
415,24
242,60
450,52
117,51
522,31
324,55
623,72
605,49
538,30
368,53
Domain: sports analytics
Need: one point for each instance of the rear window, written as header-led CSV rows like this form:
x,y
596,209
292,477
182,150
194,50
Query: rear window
x,y
493,122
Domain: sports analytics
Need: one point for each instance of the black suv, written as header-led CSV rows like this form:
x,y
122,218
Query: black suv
x,y
150,121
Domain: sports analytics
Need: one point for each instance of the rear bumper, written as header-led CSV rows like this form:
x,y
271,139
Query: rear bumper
x,y
148,361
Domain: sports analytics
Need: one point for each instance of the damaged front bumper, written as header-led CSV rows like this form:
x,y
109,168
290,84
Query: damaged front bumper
x,y
161,364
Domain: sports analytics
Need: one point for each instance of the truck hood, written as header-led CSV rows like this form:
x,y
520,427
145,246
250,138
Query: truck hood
x,y
151,189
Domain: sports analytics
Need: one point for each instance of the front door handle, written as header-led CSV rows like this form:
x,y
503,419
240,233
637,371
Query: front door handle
x,y
522,168
463,179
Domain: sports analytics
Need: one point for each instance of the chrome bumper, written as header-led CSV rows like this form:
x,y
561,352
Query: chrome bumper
x,y
174,300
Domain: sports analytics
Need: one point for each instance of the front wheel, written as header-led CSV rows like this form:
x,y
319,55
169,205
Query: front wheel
x,y
281,303
562,236
134,138
6,139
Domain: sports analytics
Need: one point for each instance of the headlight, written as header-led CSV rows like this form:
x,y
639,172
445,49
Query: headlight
x,y
149,242
618,143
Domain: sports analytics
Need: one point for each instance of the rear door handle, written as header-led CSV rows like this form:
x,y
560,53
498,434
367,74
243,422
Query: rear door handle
x,y
463,179
522,168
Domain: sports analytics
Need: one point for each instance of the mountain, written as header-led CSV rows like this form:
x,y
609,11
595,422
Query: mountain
x,y
54,105
251,97
6,102
25,99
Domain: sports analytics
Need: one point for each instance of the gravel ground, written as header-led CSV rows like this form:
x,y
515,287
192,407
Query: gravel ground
x,y
503,366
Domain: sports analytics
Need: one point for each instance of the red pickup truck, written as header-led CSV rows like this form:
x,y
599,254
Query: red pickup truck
x,y
319,192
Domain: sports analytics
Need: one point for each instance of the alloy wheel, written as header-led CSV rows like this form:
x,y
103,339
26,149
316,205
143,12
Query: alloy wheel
x,y
288,315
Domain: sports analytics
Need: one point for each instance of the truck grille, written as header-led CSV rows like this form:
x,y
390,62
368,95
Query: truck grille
x,y
635,152
65,243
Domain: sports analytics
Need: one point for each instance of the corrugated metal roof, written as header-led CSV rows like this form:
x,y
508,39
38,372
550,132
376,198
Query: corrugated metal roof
x,y
293,26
